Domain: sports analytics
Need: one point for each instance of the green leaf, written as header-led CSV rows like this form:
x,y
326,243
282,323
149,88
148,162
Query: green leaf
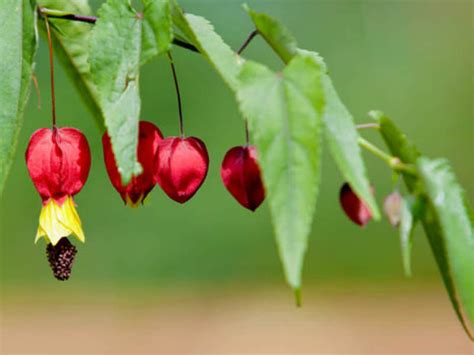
x,y
342,137
397,143
284,112
450,235
18,48
450,231
408,217
201,33
340,131
115,62
157,30
70,47
277,36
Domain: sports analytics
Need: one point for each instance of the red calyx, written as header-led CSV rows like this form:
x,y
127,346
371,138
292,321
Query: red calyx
x,y
149,136
181,166
240,174
353,206
58,161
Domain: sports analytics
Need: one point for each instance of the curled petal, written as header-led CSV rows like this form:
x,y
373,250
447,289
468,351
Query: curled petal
x,y
59,220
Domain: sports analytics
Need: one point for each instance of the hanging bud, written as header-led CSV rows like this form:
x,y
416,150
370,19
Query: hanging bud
x,y
58,161
240,173
353,206
181,166
392,208
149,136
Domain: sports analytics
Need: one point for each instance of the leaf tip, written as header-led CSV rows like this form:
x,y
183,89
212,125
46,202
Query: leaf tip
x,y
248,9
376,115
297,292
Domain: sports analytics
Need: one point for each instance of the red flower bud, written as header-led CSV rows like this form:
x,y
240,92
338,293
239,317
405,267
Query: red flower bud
x,y
58,161
353,206
149,136
240,173
181,166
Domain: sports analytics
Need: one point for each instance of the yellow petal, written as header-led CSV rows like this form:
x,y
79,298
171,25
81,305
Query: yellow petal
x,y
131,203
57,221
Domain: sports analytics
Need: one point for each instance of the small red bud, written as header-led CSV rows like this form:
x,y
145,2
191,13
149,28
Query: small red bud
x,y
392,208
181,166
240,173
149,136
353,206
58,161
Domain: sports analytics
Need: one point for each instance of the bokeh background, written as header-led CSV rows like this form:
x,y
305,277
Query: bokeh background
x,y
205,276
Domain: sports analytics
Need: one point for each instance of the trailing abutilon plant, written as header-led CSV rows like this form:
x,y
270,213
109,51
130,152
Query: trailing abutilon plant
x,y
288,112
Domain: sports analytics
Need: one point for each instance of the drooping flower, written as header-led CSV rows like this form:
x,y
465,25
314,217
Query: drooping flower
x,y
240,174
353,206
181,166
58,161
134,193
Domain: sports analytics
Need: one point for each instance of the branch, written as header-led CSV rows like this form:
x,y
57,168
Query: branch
x,y
62,15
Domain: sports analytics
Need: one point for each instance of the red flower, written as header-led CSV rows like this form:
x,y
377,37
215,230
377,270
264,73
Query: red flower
x,y
149,136
58,162
240,173
181,166
353,206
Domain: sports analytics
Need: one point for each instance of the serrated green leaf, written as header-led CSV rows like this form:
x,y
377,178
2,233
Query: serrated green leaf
x,y
115,62
408,218
453,252
71,40
454,236
18,47
284,112
342,137
340,130
277,36
157,30
200,32
397,143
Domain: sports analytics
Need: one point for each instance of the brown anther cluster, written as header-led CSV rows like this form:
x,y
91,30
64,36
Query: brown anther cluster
x,y
61,258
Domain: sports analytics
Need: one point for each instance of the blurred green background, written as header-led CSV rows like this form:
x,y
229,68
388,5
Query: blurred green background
x,y
411,59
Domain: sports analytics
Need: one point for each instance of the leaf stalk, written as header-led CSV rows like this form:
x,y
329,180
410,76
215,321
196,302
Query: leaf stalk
x,y
393,162
247,41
